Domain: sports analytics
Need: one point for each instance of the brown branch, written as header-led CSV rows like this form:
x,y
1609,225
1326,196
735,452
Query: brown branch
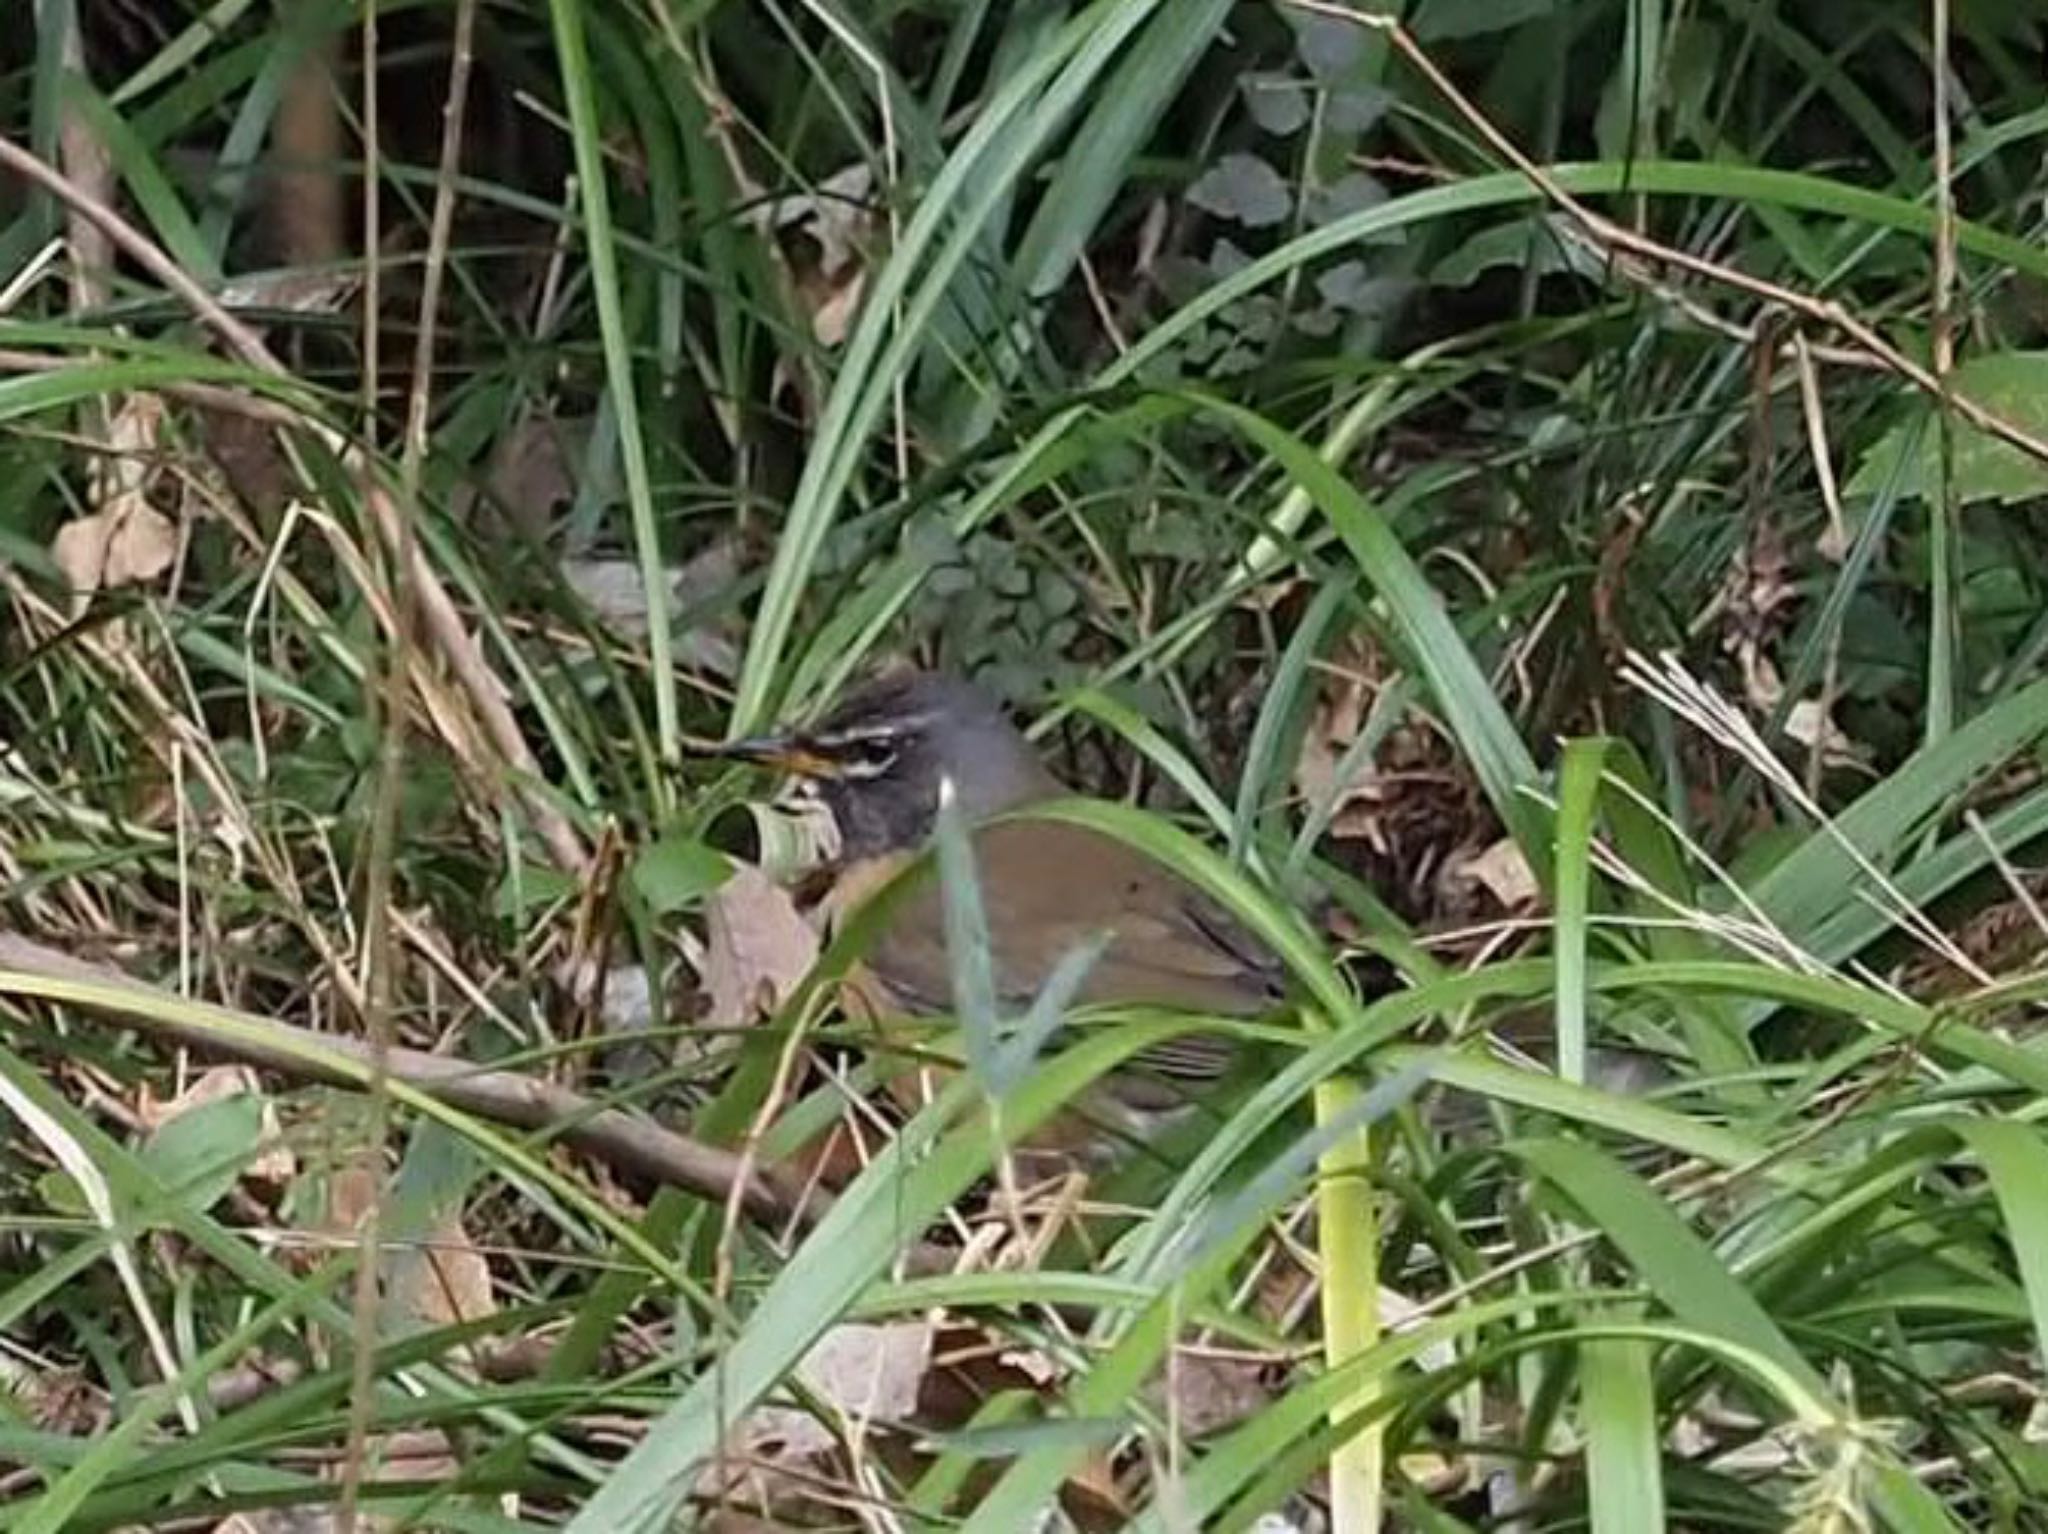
x,y
623,1141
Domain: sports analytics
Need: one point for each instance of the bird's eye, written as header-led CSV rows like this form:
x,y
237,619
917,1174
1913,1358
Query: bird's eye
x,y
869,756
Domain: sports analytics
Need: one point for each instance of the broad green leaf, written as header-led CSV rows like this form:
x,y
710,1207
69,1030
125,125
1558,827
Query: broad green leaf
x,y
199,1154
1624,1469
2016,1159
1245,189
1279,104
528,888
2013,385
677,872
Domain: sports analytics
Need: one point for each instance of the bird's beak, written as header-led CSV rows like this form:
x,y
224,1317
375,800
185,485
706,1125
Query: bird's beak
x,y
784,753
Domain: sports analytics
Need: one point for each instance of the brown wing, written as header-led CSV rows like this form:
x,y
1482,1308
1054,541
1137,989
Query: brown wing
x,y
1050,888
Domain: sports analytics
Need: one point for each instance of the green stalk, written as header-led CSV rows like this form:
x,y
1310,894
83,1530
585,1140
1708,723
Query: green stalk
x,y
1347,1241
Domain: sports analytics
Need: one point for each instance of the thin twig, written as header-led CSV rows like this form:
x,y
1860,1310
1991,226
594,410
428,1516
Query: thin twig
x,y
379,951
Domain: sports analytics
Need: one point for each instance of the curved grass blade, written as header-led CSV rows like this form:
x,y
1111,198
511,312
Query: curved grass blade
x,y
1006,136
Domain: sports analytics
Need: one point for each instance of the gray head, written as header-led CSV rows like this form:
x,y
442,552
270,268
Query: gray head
x,y
878,758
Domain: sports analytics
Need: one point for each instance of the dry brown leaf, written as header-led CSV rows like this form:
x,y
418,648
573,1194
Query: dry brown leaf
x,y
728,1520
1334,725
62,1400
865,1370
833,305
125,539
840,225
1437,1473
616,594
421,1455
1811,725
1399,1313
280,1520
837,218
1092,1495
114,548
1502,872
1033,1363
1206,1392
351,1192
296,292
439,1279
216,1084
1761,685
530,473
757,947
1805,721
445,1281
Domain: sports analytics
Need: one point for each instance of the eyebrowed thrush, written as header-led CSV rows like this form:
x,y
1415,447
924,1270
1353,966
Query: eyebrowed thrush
x,y
877,763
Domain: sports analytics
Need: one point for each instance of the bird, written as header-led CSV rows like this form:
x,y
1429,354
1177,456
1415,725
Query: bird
x,y
878,764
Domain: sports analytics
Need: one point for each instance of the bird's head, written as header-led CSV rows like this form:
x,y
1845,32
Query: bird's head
x,y
876,760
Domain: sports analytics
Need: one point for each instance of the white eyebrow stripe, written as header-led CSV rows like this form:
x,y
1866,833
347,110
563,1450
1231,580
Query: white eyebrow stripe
x,y
889,730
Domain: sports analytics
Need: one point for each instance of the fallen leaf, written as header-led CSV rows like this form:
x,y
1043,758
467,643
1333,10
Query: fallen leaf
x,y
1094,1496
418,1456
351,1191
1335,724
838,216
864,1370
1399,1313
445,1280
532,469
279,1520
1805,721
1502,872
1034,1364
295,292
840,222
757,948
1809,724
124,539
1761,685
616,595
61,1400
1206,1392
833,303
1437,1473
114,548
209,1086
